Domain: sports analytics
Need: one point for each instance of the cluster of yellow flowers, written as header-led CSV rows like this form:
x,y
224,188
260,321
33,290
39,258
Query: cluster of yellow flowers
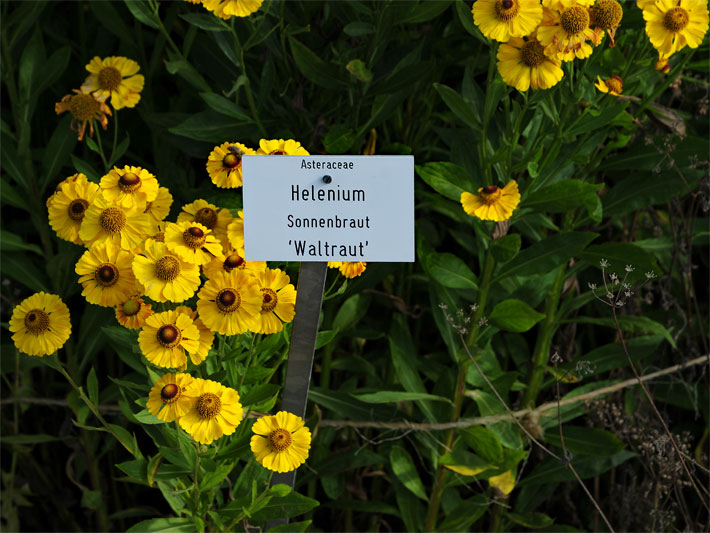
x,y
538,35
227,9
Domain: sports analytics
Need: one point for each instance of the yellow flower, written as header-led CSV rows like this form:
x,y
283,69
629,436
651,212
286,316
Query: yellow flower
x,y
224,165
523,64
129,186
611,85
228,303
192,242
84,109
126,227
159,208
209,215
281,442
502,19
349,269
169,398
116,78
607,14
164,276
565,30
68,206
206,335
166,336
662,64
492,202
40,324
215,412
228,8
230,260
106,275
672,24
132,312
235,233
281,147
278,301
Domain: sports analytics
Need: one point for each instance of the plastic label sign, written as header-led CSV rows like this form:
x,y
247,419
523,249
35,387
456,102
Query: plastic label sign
x,y
328,208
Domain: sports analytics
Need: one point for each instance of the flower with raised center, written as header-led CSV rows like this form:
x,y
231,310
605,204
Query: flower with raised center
x,y
216,411
129,186
192,242
229,260
159,208
209,215
524,65
612,85
349,269
607,14
229,303
673,24
492,202
166,337
84,109
169,398
105,274
164,276
131,313
565,30
281,442
126,227
280,147
40,324
502,19
206,335
68,206
116,78
278,301
224,164
227,9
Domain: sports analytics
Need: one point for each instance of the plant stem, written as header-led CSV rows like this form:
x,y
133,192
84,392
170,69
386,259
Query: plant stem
x,y
249,358
101,149
115,136
247,83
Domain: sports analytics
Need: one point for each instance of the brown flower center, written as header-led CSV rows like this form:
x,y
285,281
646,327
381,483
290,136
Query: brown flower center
x,y
233,261
167,268
676,19
533,54
607,14
109,78
269,300
278,152
84,107
490,194
77,209
169,336
112,219
129,182
106,275
194,237
208,405
575,20
37,321
207,217
170,393
131,307
507,9
280,439
159,237
615,83
231,160
228,300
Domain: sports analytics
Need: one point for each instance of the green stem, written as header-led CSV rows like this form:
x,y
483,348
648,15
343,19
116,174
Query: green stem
x,y
248,363
516,135
196,480
247,83
115,136
101,149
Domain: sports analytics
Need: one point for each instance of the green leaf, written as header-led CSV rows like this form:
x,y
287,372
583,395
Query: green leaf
x,y
585,441
561,197
120,150
339,139
342,404
141,10
92,385
19,267
163,525
635,324
484,442
398,396
506,248
426,10
514,315
610,356
463,110
314,68
465,463
404,469
291,527
450,271
363,506
37,438
29,67
293,504
358,29
591,119
531,520
507,432
260,394
212,127
152,468
464,515
85,168
177,65
205,22
53,68
9,242
643,190
91,499
447,179
224,106
463,10
351,311
359,70
551,470
214,479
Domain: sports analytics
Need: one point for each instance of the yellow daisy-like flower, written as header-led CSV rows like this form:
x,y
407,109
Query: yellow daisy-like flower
x,y
523,64
607,15
206,335
281,442
114,77
133,312
169,398
230,260
159,208
68,206
209,215
166,336
235,233
662,64
71,179
215,412
672,24
612,85
280,147
565,30
502,19
192,242
129,186
126,227
84,109
164,276
492,202
40,324
229,303
278,301
224,165
227,9
349,269
106,275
